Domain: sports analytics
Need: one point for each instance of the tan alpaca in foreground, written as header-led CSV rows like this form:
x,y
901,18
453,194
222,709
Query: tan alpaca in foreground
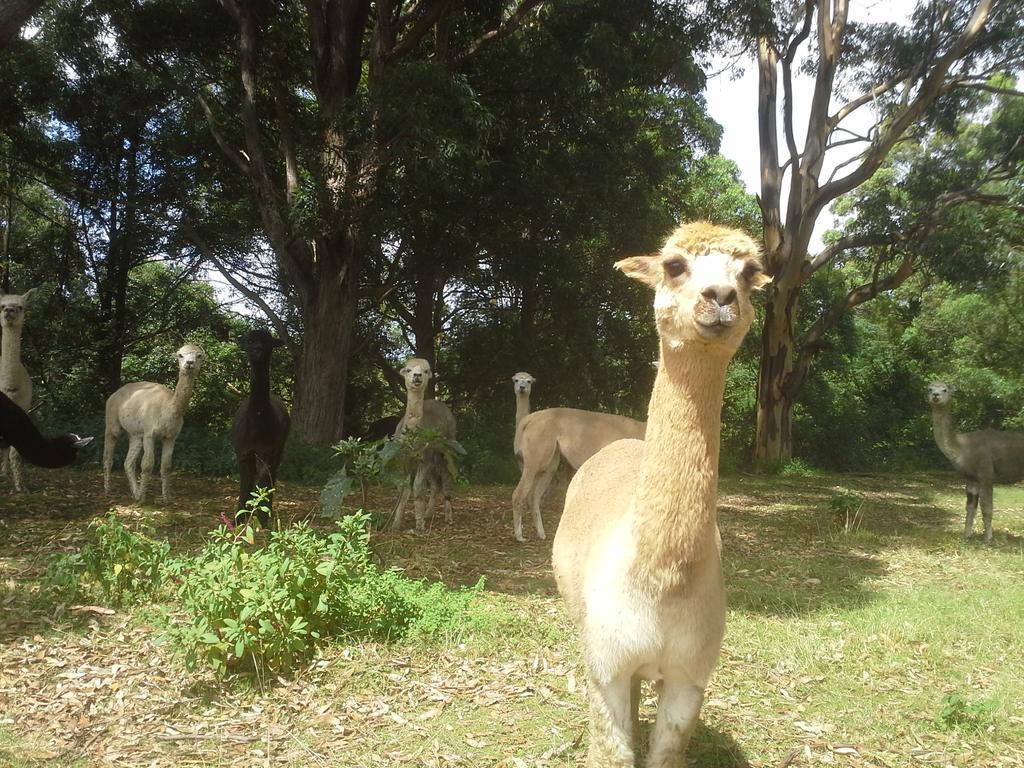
x,y
149,412
636,555
14,379
432,470
983,458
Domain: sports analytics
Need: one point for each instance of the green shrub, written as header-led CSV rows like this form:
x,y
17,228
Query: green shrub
x,y
266,610
959,714
115,565
390,460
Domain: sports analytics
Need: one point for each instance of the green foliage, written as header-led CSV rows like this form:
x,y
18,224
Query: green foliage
x,y
959,714
390,461
849,508
116,565
797,467
268,609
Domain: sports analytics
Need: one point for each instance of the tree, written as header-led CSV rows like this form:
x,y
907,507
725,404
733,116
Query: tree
x,y
915,78
295,96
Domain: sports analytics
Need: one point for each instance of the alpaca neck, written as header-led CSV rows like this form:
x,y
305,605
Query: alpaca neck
x,y
945,435
522,406
259,384
414,409
183,392
675,506
10,347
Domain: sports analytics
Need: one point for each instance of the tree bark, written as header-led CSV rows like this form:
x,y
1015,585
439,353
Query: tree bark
x,y
774,437
328,320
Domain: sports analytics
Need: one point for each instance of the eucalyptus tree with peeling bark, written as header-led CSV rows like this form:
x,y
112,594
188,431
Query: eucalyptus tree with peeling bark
x,y
903,76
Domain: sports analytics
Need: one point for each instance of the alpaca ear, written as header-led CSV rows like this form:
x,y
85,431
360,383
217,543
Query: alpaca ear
x,y
27,295
278,343
646,269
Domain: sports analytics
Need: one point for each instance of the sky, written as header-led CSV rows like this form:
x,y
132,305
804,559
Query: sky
x,y
733,102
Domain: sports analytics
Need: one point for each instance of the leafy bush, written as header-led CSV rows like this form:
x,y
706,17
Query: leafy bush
x,y
267,610
958,713
390,460
798,468
848,508
116,565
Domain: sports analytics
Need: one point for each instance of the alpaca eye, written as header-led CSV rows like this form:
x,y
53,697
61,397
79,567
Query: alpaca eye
x,y
675,268
750,270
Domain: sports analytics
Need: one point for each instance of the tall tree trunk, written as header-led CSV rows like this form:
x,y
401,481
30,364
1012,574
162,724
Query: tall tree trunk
x,y
774,438
328,319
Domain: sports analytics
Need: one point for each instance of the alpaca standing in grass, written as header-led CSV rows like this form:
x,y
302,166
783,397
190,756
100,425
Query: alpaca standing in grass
x,y
261,424
984,457
149,412
18,431
432,468
637,552
544,438
14,379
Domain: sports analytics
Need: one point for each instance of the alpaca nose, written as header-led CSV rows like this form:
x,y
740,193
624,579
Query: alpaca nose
x,y
723,295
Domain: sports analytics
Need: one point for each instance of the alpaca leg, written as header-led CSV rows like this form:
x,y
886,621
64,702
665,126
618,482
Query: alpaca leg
x,y
540,488
972,506
15,462
246,483
148,460
396,524
109,445
446,495
678,710
520,498
986,510
166,457
131,461
611,733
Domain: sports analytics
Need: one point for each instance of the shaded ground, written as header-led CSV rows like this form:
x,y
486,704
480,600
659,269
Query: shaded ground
x,y
85,686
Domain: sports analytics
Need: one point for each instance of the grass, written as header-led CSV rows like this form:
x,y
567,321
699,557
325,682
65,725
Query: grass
x,y
871,639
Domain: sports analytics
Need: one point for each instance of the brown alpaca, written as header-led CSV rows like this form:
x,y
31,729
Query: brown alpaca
x,y
636,555
984,457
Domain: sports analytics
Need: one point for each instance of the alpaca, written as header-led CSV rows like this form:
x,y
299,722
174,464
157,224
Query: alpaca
x,y
637,553
17,430
522,385
149,412
432,469
261,424
984,457
544,438
14,379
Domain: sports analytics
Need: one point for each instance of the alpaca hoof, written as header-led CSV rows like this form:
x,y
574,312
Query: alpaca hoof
x,y
520,538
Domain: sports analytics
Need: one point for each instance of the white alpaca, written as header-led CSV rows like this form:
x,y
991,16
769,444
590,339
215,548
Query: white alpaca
x,y
522,385
432,469
14,379
637,553
544,438
149,412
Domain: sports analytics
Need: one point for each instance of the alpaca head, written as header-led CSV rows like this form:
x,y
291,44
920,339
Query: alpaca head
x,y
940,393
258,344
702,278
416,373
12,309
190,359
522,383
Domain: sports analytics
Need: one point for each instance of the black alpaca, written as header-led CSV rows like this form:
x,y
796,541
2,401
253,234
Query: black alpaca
x,y
17,430
261,424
